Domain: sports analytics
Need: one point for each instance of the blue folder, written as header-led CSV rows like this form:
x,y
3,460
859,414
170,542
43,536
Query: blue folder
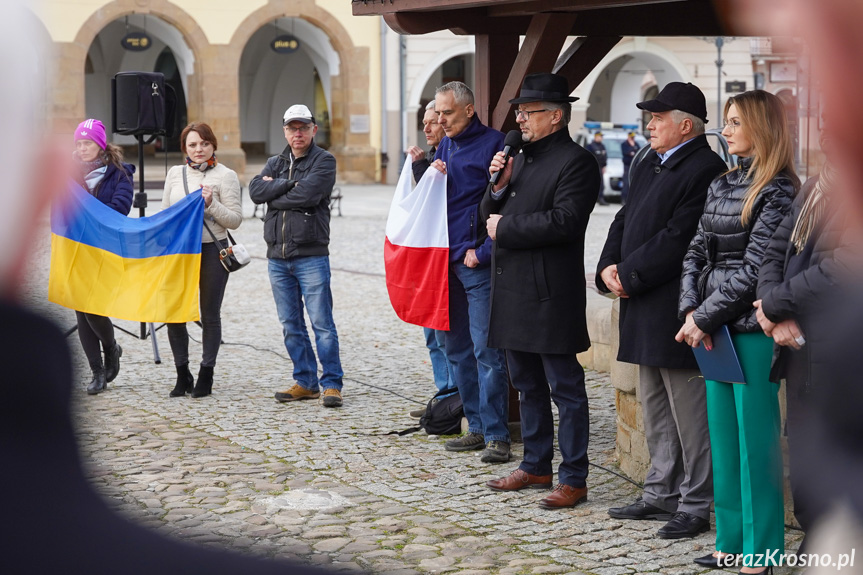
x,y
721,363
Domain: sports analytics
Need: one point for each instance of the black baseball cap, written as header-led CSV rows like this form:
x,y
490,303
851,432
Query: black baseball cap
x,y
678,96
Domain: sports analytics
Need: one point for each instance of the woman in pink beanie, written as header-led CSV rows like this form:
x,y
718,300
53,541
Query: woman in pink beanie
x,y
101,172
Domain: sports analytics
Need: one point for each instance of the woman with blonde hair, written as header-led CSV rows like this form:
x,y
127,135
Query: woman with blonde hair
x,y
221,191
744,207
102,172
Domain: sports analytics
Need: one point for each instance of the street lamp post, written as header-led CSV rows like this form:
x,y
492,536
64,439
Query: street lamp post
x,y
719,43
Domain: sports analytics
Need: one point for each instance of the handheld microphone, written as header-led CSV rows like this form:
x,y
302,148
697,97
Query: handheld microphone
x,y
511,145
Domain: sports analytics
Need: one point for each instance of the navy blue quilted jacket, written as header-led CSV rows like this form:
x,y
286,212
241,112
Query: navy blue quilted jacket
x,y
467,157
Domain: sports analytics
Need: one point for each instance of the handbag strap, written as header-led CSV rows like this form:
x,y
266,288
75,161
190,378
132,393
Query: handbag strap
x,y
231,241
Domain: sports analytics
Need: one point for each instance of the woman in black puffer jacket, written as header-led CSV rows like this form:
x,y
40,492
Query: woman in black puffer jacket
x,y
720,274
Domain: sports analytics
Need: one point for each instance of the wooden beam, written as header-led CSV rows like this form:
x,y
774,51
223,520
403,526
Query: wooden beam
x,y
582,56
368,7
646,18
690,18
494,56
542,43
536,6
462,22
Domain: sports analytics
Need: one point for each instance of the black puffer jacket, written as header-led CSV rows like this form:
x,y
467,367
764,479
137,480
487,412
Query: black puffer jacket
x,y
804,295
720,270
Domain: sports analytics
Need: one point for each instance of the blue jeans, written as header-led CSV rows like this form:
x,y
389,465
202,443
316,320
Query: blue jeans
x,y
307,279
478,370
436,344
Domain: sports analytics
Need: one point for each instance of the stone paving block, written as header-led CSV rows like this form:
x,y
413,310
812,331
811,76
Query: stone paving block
x,y
437,564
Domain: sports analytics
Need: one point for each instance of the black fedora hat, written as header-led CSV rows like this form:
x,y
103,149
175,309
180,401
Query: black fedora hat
x,y
678,96
543,88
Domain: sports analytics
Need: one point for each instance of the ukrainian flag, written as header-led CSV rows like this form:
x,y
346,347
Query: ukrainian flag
x,y
138,269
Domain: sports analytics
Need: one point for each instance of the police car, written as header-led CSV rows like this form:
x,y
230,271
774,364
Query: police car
x,y
613,135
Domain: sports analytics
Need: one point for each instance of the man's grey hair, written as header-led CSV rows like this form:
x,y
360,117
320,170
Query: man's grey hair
x,y
564,107
430,106
697,123
462,94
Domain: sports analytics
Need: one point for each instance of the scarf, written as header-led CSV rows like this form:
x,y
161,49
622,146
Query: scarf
x,y
813,208
91,173
208,165
93,178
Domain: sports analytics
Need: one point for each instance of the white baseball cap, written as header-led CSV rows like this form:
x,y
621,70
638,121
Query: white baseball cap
x,y
299,113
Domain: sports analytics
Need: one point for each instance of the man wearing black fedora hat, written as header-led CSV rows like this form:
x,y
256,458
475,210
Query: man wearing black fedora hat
x,y
537,214
641,263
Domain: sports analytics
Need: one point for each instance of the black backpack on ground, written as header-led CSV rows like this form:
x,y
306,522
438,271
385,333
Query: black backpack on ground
x,y
442,417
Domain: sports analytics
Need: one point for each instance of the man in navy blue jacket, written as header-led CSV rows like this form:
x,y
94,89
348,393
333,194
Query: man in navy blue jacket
x,y
464,155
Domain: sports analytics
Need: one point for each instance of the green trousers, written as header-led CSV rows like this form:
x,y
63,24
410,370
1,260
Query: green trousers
x,y
747,456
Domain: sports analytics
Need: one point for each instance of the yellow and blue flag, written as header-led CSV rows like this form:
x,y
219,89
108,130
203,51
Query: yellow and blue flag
x,y
138,269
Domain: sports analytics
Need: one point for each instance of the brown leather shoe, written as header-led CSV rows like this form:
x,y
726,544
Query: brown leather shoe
x,y
564,496
519,479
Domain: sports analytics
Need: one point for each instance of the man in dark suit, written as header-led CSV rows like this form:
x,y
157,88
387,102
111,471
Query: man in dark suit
x,y
537,216
641,263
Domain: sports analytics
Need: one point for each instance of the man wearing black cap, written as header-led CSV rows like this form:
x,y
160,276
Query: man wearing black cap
x,y
537,214
641,263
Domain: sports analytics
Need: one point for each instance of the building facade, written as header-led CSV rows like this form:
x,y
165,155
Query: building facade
x,y
366,85
218,58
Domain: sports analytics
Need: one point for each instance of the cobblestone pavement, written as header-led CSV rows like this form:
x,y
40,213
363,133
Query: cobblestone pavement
x,y
331,486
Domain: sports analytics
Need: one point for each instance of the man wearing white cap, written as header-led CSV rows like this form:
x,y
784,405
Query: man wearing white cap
x,y
296,187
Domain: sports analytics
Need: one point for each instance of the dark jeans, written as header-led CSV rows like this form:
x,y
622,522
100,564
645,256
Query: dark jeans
x,y
540,379
213,280
93,330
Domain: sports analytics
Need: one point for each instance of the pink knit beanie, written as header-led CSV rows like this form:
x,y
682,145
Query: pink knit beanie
x,y
91,130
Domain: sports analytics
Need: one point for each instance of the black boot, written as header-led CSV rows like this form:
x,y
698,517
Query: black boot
x,y
112,362
205,382
97,384
185,381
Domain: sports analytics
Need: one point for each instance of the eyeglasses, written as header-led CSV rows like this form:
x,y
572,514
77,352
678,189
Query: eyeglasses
x,y
302,129
732,125
526,113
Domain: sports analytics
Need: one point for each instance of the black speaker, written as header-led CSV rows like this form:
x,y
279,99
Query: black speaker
x,y
140,104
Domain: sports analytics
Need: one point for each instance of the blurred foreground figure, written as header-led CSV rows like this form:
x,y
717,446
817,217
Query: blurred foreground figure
x,y
53,520
831,32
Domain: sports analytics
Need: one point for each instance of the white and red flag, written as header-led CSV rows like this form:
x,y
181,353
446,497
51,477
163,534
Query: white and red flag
x,y
416,252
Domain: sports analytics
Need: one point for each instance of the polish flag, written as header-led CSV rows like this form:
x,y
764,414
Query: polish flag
x,y
416,252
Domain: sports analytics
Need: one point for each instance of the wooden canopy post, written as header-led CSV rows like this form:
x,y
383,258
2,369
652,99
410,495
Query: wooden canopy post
x,y
542,43
495,55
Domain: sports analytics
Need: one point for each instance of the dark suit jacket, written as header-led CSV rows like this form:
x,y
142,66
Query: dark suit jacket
x,y
648,240
538,288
